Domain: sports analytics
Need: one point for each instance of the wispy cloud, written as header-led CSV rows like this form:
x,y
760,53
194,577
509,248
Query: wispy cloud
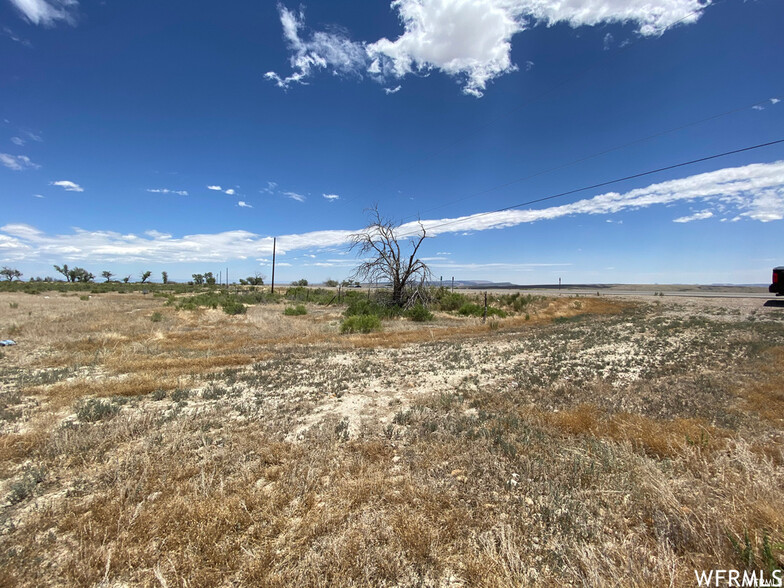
x,y
18,141
167,191
333,51
270,189
752,192
68,185
394,90
705,214
16,38
216,188
243,204
47,12
470,40
294,196
331,197
17,162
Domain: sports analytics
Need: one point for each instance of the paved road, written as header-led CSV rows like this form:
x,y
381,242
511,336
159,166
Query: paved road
x,y
644,293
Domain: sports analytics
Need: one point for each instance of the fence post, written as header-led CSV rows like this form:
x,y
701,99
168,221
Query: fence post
x,y
274,242
484,317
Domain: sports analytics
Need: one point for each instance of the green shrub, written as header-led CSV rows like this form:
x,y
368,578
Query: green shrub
x,y
473,309
13,304
232,306
517,301
25,487
364,307
361,323
451,300
295,310
84,297
156,317
180,395
419,313
94,410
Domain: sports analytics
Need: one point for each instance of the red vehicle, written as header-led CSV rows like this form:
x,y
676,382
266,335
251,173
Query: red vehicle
x,y
777,286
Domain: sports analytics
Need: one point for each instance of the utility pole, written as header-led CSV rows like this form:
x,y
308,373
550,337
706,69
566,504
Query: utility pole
x,y
274,242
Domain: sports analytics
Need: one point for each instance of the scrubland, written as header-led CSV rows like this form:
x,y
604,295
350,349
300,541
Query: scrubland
x,y
584,441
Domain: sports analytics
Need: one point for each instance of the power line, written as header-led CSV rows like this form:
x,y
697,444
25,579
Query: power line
x,y
592,156
601,184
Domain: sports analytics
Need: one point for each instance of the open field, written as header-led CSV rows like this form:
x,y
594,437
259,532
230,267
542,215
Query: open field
x,y
591,441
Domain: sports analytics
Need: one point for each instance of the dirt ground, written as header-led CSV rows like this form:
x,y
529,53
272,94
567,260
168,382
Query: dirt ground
x,y
584,441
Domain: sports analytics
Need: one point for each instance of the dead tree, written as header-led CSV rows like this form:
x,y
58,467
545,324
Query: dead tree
x,y
380,245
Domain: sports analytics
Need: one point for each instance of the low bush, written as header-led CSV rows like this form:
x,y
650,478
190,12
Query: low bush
x,y
233,306
365,307
473,309
361,323
94,410
450,301
517,301
298,310
419,313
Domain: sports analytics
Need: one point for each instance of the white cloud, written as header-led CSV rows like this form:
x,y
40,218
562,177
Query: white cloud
x,y
47,12
333,51
216,188
37,196
68,185
467,39
294,196
752,192
243,204
697,216
18,141
331,197
774,100
17,162
167,191
755,191
270,189
758,107
394,90
16,38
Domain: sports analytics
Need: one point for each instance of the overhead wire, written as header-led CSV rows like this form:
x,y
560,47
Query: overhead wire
x,y
599,185
589,157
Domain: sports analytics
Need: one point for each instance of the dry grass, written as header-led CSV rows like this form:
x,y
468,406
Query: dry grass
x,y
619,445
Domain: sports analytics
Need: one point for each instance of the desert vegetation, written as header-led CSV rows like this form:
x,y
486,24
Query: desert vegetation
x,y
161,440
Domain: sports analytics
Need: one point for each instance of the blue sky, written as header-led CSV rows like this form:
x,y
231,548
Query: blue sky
x,y
169,137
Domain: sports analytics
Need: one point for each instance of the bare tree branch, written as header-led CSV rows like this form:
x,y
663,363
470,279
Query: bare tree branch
x,y
379,244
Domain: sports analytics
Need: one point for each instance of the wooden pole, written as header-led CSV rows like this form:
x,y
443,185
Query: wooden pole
x,y
484,317
274,242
